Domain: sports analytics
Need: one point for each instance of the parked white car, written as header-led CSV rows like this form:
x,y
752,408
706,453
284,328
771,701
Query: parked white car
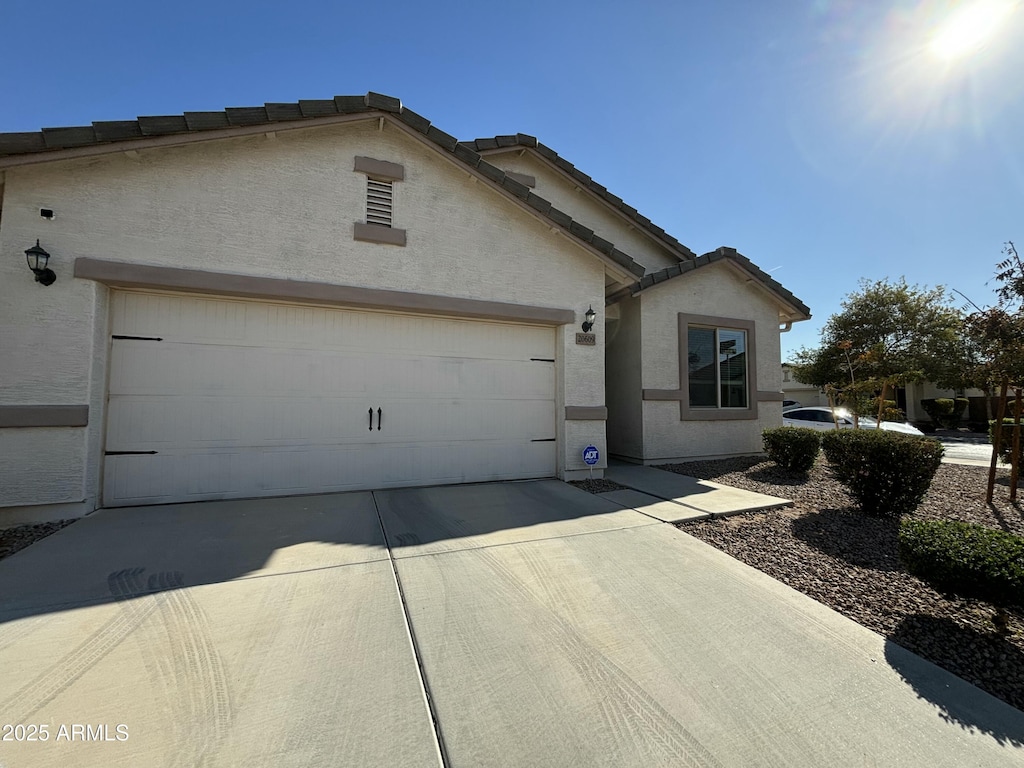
x,y
820,417
789,405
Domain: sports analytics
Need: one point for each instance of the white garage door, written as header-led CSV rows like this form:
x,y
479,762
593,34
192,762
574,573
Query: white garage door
x,y
220,398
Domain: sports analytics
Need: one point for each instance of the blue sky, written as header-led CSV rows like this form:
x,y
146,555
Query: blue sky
x,y
821,138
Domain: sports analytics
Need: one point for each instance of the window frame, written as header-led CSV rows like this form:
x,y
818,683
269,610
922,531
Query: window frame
x,y
716,412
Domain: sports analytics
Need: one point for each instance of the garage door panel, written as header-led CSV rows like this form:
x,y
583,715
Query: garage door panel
x,y
253,399
245,323
136,422
524,420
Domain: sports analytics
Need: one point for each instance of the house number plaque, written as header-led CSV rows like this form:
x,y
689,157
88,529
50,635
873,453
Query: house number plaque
x,y
590,339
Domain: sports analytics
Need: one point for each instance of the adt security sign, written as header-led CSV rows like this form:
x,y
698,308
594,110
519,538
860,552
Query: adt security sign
x,y
590,455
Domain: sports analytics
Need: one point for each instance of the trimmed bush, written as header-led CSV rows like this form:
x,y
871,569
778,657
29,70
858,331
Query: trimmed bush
x,y
888,473
944,411
977,414
964,559
1006,439
792,448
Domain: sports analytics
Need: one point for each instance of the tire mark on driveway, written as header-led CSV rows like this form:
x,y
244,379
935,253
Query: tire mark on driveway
x,y
627,709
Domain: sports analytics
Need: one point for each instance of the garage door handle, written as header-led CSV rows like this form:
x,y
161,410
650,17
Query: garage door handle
x,y
379,413
371,419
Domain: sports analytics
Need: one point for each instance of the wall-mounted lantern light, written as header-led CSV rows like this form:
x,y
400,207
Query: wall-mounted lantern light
x,y
37,259
591,317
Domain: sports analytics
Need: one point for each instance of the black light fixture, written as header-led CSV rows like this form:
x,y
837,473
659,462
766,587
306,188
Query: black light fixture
x,y
34,256
591,317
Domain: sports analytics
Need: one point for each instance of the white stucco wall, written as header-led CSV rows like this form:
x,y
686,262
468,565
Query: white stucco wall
x,y
282,208
716,290
594,213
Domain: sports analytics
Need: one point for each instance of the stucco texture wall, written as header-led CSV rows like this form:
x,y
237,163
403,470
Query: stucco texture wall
x,y
715,290
282,207
582,206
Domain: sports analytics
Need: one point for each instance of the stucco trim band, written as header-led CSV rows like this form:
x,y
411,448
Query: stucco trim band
x,y
375,233
586,413
20,416
380,169
770,397
125,275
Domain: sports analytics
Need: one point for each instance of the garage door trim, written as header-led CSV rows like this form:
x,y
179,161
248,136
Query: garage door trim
x,y
126,275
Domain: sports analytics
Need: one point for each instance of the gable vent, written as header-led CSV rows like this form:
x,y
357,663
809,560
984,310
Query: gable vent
x,y
379,202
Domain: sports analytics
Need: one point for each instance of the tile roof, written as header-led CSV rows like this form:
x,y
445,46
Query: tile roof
x,y
530,142
677,270
99,133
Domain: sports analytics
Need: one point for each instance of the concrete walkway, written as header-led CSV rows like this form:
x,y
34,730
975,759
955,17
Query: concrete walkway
x,y
672,498
505,624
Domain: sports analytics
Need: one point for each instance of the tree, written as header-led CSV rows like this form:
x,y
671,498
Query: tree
x,y
996,339
887,334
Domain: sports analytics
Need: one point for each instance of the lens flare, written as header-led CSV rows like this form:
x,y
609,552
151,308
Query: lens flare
x,y
969,29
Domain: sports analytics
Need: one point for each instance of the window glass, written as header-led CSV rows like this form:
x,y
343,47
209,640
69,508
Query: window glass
x,y
732,351
717,367
702,366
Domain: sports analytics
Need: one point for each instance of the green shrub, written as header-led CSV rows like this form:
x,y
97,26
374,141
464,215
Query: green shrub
x,y
888,473
968,560
1006,439
944,411
792,448
890,412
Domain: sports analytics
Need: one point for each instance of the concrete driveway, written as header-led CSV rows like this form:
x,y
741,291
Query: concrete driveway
x,y
513,624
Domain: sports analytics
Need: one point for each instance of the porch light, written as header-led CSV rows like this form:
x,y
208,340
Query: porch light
x,y
591,317
37,259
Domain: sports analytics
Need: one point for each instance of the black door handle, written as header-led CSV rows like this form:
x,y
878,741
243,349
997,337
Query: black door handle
x,y
379,412
371,419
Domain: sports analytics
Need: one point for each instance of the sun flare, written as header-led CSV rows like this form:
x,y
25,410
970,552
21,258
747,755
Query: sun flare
x,y
969,28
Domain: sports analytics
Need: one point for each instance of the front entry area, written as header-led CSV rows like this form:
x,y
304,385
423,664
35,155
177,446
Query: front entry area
x,y
219,398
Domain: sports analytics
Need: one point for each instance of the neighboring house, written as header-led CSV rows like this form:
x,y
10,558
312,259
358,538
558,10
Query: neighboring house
x,y
336,295
908,398
805,394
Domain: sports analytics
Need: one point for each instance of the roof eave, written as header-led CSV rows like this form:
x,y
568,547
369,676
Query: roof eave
x,y
792,310
550,159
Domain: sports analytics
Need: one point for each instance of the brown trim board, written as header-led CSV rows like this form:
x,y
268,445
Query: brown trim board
x,y
379,169
20,416
586,413
375,233
124,275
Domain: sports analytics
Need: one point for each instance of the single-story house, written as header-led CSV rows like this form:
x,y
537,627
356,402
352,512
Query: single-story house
x,y
336,295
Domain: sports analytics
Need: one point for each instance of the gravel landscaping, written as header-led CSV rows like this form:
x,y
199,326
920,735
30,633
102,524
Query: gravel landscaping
x,y
20,536
597,485
826,548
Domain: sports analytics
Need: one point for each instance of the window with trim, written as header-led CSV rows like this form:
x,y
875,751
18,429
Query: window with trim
x,y
717,367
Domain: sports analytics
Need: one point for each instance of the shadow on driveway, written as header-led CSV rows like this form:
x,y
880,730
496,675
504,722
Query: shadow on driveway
x,y
958,653
119,554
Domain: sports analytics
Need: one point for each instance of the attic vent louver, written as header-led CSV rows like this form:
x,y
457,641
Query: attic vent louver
x,y
379,202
